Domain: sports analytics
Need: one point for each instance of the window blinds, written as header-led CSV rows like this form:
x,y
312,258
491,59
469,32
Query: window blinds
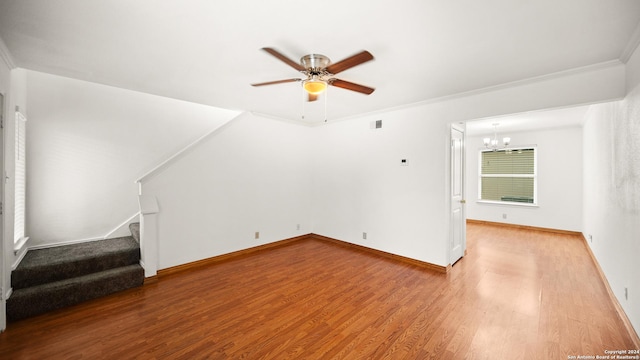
x,y
519,161
20,177
508,175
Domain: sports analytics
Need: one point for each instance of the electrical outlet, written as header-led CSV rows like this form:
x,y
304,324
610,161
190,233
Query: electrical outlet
x,y
257,236
504,216
298,227
590,238
626,293
364,236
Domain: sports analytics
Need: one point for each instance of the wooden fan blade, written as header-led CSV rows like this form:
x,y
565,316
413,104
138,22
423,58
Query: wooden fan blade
x,y
276,82
351,86
350,62
284,59
313,97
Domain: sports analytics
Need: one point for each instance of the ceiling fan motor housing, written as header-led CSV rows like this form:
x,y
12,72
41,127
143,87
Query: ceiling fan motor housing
x,y
315,63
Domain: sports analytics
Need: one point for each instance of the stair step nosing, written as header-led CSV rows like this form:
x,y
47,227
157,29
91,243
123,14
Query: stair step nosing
x,y
60,284
92,258
38,275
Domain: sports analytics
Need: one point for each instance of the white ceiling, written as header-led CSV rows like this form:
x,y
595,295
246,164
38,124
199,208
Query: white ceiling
x,y
535,120
208,51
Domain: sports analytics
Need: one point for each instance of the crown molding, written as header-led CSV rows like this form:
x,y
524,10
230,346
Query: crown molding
x,y
488,89
632,45
5,55
530,81
509,85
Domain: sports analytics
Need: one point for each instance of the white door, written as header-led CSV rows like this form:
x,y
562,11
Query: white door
x,y
458,217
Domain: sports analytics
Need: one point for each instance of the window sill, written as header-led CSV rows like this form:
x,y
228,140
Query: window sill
x,y
507,203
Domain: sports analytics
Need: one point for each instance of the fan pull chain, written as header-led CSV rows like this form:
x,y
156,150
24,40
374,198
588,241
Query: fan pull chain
x,y
304,94
326,95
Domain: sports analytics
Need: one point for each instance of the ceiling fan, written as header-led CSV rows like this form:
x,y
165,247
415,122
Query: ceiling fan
x,y
319,70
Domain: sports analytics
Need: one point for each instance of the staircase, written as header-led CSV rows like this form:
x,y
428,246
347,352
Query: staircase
x,y
53,278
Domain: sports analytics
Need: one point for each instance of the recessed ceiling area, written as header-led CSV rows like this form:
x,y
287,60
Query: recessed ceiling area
x,y
208,52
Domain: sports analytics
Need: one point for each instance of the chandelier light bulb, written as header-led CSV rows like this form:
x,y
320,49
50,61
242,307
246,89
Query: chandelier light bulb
x,y
490,143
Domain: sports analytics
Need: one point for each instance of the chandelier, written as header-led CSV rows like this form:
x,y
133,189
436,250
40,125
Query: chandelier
x,y
493,143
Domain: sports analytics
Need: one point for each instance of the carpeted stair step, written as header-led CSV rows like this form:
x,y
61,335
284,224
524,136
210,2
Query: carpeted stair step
x,y
63,262
39,299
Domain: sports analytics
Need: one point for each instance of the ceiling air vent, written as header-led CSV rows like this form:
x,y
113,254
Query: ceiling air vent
x,y
376,124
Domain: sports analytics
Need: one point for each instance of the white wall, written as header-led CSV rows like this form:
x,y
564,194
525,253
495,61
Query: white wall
x,y
359,185
253,175
612,190
559,207
87,143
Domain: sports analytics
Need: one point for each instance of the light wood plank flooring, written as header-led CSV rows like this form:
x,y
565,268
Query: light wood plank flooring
x,y
518,294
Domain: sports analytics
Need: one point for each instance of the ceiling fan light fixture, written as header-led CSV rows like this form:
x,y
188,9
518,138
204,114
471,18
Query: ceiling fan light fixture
x,y
318,71
314,87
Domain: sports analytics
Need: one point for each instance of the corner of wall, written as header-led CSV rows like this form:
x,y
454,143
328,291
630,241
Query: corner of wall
x,y
5,55
633,70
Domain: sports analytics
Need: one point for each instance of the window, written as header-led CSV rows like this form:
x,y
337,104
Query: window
x,y
508,176
20,180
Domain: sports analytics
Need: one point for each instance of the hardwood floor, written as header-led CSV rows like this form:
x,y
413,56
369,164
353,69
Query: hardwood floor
x,y
518,294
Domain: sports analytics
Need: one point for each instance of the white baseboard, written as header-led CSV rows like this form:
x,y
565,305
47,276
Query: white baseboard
x,y
63,243
19,254
8,294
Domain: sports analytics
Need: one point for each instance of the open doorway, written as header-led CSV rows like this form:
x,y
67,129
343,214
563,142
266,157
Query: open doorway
x,y
536,188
